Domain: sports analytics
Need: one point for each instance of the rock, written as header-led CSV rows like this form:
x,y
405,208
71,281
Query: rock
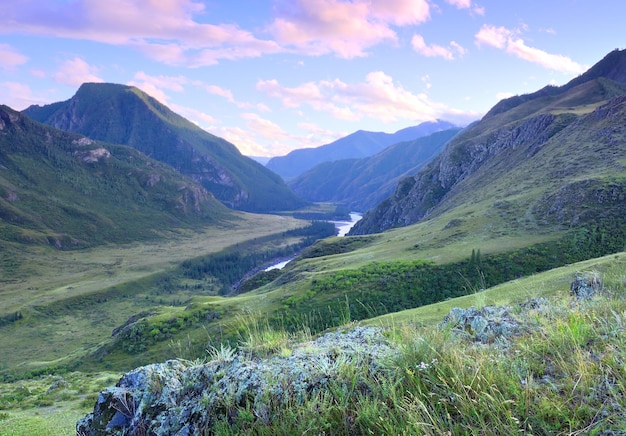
x,y
484,325
585,286
179,398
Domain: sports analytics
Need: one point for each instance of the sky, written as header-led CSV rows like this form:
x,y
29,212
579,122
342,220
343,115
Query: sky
x,y
272,76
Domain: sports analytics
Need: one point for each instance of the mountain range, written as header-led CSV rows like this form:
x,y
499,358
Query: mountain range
x,y
555,156
120,114
539,183
362,183
359,144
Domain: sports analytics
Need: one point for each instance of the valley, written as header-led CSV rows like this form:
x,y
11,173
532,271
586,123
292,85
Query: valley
x,y
509,210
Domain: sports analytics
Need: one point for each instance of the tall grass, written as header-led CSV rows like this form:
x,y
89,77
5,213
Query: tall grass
x,y
564,375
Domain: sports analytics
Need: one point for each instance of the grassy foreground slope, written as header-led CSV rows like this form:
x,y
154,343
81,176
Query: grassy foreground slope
x,y
553,379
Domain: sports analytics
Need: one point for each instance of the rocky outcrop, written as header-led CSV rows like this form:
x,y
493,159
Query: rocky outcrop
x,y
492,324
182,398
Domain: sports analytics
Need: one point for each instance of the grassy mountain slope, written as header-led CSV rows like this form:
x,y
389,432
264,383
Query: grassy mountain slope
x,y
361,184
69,191
514,159
121,114
356,145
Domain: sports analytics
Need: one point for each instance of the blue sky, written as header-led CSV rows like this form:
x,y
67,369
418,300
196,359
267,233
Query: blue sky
x,y
271,76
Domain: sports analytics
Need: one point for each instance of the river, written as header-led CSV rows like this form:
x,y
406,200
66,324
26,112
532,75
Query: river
x,y
343,227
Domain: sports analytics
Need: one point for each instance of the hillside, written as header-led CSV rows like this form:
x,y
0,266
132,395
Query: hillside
x,y
360,184
125,115
356,145
531,159
68,191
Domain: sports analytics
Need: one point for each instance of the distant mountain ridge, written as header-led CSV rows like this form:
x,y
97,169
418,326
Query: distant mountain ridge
x,y
356,145
125,115
360,184
63,189
531,156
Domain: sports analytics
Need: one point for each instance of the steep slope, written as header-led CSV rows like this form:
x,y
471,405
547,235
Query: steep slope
x,y
69,191
501,161
361,184
121,114
356,145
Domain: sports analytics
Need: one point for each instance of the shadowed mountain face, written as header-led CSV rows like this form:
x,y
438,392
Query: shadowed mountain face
x,y
361,184
69,191
555,156
357,145
121,114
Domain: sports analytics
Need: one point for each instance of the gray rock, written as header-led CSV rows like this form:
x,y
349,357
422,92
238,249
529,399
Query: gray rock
x,y
586,286
177,398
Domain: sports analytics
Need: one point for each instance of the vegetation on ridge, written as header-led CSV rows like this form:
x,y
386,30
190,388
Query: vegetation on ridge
x,y
122,114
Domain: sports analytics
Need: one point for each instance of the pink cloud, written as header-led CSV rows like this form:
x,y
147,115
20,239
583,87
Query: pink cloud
x,y
75,72
10,58
461,4
291,97
264,127
346,29
494,36
18,96
164,30
505,39
434,50
377,97
467,4
155,86
197,117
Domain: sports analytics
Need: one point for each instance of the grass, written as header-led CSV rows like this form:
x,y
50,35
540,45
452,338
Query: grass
x,y
49,405
71,301
546,284
565,376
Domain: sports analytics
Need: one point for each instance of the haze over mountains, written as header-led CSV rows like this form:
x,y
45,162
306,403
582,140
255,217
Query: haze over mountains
x,y
361,183
356,145
125,115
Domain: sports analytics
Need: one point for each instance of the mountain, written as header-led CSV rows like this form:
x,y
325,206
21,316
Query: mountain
x,y
555,157
356,145
125,115
69,191
361,184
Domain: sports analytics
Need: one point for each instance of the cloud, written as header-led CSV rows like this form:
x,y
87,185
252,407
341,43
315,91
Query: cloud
x,y
201,119
10,58
461,4
507,40
263,137
378,97
434,50
264,128
164,30
75,72
467,4
344,28
504,95
18,96
155,86
245,141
